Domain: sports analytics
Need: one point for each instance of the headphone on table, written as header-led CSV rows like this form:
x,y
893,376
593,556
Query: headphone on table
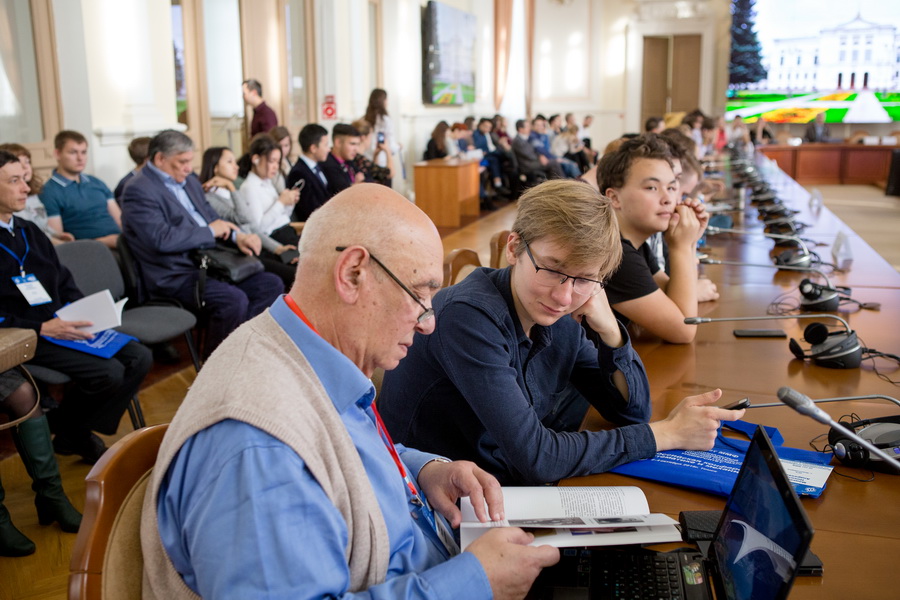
x,y
830,349
883,433
794,258
822,298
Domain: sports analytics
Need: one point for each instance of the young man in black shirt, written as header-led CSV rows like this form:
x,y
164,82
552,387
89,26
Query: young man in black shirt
x,y
641,183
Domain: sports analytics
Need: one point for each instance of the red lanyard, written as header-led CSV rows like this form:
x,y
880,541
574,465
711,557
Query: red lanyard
x,y
293,306
386,438
379,424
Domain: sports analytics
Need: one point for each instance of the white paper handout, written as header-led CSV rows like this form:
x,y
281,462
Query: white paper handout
x,y
576,516
98,308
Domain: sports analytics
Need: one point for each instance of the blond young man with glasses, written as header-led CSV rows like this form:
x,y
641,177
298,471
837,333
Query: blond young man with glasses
x,y
518,354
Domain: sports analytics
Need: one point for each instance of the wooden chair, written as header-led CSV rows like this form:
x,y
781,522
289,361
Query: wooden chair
x,y
107,561
458,264
857,137
498,249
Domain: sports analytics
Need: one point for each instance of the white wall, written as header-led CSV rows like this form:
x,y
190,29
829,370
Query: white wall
x,y
116,79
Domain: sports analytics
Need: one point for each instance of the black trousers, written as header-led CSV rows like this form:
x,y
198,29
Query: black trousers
x,y
101,387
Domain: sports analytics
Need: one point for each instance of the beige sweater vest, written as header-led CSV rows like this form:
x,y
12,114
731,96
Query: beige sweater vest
x,y
260,377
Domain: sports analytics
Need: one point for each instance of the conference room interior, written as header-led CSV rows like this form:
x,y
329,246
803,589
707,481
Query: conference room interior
x,y
106,69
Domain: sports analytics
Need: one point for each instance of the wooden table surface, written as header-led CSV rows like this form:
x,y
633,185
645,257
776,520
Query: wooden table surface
x,y
857,523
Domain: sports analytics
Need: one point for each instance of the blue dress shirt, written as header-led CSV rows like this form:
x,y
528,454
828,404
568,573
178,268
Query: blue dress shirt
x,y
479,389
241,516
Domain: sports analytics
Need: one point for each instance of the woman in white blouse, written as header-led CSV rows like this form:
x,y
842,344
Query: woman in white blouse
x,y
219,170
267,210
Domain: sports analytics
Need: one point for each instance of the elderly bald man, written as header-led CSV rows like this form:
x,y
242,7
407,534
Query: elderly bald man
x,y
277,478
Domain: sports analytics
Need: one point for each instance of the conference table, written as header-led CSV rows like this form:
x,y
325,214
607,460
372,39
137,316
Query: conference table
x,y
857,523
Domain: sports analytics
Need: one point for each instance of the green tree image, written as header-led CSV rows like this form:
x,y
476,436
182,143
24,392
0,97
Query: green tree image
x,y
745,66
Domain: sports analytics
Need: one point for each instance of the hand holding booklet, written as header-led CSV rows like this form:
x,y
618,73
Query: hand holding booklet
x,y
104,314
576,516
98,308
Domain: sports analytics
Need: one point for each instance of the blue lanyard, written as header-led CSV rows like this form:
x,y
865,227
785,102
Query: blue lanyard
x,y
21,261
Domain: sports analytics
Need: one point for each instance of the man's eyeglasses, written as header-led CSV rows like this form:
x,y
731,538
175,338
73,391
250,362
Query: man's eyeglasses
x,y
427,312
548,278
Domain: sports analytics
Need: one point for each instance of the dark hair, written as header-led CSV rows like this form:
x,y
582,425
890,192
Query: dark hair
x,y
539,116
520,123
550,120
439,134
652,123
211,158
344,130
311,135
36,185
254,86
68,135
376,107
261,145
138,149
612,171
708,123
684,149
279,132
6,158
485,120
169,143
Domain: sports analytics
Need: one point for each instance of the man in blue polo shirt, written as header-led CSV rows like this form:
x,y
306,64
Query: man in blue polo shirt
x,y
78,203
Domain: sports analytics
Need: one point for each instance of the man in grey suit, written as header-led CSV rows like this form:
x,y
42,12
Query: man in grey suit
x,y
166,217
817,130
531,163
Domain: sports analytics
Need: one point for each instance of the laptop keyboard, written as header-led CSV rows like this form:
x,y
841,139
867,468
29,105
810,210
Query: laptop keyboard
x,y
638,576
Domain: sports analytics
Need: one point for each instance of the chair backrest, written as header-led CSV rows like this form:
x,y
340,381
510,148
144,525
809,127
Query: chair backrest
x,y
130,272
93,266
458,264
107,562
498,249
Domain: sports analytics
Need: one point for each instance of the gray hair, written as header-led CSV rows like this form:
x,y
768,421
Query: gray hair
x,y
169,143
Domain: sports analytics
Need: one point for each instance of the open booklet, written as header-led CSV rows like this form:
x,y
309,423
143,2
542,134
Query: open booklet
x,y
576,516
98,308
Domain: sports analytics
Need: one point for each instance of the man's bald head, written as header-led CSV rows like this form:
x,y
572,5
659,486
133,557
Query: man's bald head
x,y
369,298
369,215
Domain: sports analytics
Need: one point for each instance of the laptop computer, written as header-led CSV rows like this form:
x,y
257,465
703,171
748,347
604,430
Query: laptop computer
x,y
759,543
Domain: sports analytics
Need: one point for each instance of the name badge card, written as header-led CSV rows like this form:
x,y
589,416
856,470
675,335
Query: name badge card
x,y
32,289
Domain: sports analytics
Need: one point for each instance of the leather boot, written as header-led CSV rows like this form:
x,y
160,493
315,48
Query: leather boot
x,y
12,541
32,439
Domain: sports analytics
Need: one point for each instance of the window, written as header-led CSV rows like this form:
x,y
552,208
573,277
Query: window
x,y
30,106
798,59
816,59
19,89
868,55
855,56
842,55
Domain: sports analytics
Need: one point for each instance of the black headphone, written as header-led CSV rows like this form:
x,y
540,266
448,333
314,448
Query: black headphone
x,y
794,258
783,226
831,349
883,433
822,298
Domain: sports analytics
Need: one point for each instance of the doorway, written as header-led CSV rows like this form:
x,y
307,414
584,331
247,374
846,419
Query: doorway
x,y
670,75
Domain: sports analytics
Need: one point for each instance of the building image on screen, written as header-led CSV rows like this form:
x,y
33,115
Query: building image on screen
x,y
448,55
791,61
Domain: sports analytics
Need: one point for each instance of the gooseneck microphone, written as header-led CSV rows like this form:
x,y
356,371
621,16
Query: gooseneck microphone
x,y
737,263
841,399
699,320
774,236
834,350
804,405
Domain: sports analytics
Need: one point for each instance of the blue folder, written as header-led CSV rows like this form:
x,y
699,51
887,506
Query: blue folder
x,y
716,471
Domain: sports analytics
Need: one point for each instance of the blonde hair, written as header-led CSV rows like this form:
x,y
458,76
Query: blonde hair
x,y
576,217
